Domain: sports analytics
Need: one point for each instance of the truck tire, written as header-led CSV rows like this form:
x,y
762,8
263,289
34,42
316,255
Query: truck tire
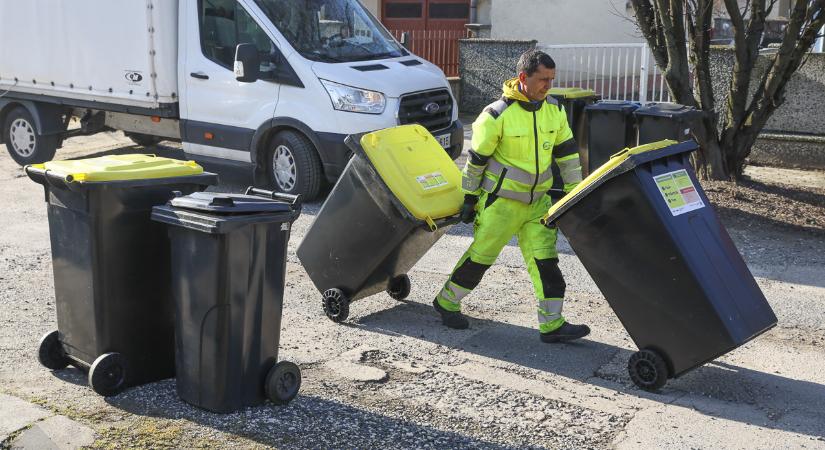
x,y
24,143
146,140
294,166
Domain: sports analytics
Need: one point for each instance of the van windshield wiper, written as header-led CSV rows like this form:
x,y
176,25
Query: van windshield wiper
x,y
376,56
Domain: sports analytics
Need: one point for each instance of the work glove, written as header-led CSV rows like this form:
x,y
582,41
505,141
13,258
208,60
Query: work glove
x,y
468,209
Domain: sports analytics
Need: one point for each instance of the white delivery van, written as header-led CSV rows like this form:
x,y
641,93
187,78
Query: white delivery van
x,y
272,84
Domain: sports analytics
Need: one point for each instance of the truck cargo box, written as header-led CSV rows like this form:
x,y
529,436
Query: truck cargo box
x,y
120,52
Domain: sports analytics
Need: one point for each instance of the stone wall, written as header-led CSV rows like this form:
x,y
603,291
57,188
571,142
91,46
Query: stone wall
x,y
484,65
802,111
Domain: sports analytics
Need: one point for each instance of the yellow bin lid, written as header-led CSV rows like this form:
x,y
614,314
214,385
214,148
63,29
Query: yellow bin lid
x,y
572,92
119,168
417,170
605,169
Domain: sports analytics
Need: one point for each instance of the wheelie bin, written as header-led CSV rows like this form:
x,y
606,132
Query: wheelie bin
x,y
658,121
574,100
111,265
397,196
228,269
610,128
644,229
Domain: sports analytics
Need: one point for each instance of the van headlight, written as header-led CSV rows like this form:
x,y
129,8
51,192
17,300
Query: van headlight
x,y
346,98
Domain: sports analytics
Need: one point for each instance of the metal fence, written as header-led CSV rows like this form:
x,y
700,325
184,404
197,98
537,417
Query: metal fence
x,y
440,47
613,71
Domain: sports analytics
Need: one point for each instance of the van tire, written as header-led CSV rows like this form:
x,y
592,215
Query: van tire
x,y
24,143
293,165
145,140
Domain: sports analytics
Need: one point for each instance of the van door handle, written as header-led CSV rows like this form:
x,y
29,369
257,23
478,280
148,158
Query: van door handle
x,y
199,75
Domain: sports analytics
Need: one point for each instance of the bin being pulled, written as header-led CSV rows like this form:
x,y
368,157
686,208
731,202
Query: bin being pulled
x,y
397,196
111,265
644,229
228,269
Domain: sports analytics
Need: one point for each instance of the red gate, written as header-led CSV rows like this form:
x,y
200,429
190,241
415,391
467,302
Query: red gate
x,y
434,28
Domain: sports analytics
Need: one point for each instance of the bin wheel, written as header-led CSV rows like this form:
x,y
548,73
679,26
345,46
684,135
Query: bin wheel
x,y
648,370
283,381
107,375
51,353
399,287
336,305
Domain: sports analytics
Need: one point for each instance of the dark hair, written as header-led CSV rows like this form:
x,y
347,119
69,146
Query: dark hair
x,y
530,60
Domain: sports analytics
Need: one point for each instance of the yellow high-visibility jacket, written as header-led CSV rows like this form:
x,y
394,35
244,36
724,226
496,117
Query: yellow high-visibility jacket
x,y
514,142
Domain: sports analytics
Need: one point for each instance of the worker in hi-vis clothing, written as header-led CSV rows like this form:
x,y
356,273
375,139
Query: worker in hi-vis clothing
x,y
506,183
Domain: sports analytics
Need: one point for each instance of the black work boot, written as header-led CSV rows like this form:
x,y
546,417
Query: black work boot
x,y
452,319
566,332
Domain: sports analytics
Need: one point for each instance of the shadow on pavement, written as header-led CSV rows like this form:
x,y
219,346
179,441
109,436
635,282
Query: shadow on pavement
x,y
604,366
307,422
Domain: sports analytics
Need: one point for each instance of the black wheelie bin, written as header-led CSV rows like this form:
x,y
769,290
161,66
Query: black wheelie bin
x,y
574,100
644,229
398,195
228,269
658,121
111,265
610,128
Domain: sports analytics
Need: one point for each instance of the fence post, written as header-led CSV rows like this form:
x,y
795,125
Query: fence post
x,y
643,77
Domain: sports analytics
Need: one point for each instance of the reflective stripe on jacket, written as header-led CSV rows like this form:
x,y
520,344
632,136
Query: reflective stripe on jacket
x,y
514,142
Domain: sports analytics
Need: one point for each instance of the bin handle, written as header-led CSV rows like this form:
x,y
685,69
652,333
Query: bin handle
x,y
294,200
434,225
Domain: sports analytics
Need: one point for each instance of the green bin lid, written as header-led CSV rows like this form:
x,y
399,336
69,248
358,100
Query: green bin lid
x,y
572,92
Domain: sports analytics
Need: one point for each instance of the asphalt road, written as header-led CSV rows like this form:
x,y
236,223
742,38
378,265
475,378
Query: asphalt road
x,y
393,377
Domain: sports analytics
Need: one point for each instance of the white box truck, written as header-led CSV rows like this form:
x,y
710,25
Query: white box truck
x,y
272,84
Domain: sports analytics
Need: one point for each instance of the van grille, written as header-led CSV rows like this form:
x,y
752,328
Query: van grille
x,y
412,109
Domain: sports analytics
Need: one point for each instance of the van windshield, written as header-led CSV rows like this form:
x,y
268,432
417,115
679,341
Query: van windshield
x,y
331,30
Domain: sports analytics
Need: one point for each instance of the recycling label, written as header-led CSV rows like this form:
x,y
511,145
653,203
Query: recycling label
x,y
679,192
431,180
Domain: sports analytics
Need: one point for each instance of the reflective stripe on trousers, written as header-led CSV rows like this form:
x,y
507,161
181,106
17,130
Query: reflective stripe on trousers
x,y
550,310
453,293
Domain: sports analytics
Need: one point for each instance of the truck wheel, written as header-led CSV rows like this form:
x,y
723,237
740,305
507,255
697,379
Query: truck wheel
x,y
294,165
23,142
146,140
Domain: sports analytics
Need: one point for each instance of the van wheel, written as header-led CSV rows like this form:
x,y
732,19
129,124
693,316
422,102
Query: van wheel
x,y
23,142
294,165
146,140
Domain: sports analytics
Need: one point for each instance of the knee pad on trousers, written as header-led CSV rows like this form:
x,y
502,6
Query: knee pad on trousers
x,y
469,274
552,281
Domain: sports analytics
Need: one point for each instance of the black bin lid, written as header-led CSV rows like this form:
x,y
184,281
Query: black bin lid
x,y
665,110
613,105
223,203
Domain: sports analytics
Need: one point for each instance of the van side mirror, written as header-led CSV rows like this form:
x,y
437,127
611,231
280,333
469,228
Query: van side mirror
x,y
405,40
247,63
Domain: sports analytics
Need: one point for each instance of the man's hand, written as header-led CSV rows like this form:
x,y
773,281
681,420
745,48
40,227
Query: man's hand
x,y
468,209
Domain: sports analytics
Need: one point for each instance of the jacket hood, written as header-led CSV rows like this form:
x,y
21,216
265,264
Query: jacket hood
x,y
510,90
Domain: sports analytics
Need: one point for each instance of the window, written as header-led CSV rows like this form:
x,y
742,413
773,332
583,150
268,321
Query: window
x,y
449,11
403,10
225,24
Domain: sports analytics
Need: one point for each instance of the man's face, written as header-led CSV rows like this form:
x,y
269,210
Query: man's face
x,y
535,86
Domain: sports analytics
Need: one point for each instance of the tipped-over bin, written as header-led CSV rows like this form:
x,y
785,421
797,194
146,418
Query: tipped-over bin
x,y
644,229
397,196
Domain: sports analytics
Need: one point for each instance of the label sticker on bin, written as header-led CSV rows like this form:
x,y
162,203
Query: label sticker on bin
x,y
679,192
431,180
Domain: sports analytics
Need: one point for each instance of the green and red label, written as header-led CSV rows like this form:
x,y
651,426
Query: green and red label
x,y
679,192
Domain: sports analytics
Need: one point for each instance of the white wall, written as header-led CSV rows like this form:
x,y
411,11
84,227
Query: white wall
x,y
564,21
373,6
